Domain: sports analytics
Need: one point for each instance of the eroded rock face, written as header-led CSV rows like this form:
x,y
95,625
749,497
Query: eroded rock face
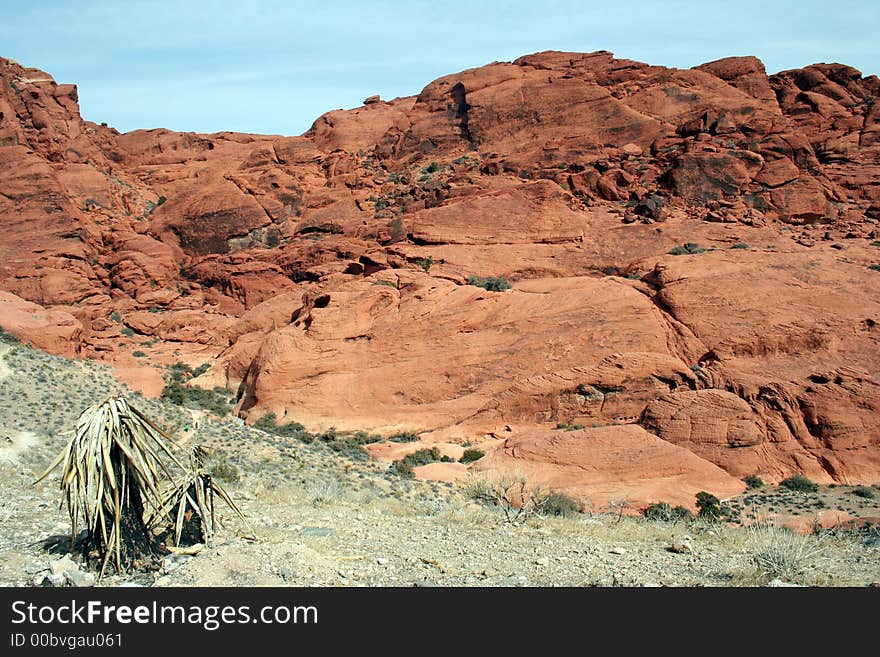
x,y
325,276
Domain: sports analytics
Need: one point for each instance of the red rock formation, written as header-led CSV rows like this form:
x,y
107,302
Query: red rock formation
x,y
325,275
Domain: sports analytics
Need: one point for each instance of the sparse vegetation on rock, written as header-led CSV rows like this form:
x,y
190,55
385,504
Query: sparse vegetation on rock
x,y
491,283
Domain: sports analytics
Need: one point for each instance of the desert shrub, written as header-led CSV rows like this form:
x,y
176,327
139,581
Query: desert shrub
x,y
362,438
574,426
423,456
225,471
865,492
709,506
666,512
404,437
138,354
8,337
269,424
349,449
513,495
799,483
874,267
753,481
217,400
471,455
740,245
557,504
690,248
490,283
425,263
402,469
386,283
778,552
325,491
181,372
127,331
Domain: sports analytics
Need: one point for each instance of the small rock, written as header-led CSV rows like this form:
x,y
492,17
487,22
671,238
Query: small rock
x,y
42,579
678,548
63,565
382,561
80,579
543,561
778,583
319,532
617,550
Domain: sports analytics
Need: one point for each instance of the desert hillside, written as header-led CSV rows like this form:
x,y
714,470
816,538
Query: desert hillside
x,y
320,512
624,281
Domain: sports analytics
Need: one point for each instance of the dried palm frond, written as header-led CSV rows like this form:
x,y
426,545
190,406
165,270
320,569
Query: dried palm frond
x,y
191,502
110,471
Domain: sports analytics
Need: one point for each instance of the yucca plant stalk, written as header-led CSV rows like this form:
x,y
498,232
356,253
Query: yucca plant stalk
x,y
110,478
190,504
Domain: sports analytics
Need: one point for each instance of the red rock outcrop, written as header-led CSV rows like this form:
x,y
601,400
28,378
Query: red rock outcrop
x,y
326,276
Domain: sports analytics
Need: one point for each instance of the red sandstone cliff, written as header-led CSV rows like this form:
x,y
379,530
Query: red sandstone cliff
x,y
572,175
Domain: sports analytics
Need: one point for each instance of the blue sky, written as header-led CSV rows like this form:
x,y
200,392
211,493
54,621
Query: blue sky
x,y
273,67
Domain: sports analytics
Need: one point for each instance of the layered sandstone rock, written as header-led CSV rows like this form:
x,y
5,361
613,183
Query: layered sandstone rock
x,y
325,276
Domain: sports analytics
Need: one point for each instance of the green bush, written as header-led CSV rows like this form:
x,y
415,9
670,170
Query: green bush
x,y
740,245
689,248
666,512
180,372
800,484
8,337
491,283
269,424
423,456
403,469
471,455
138,354
425,263
217,400
864,492
709,506
127,331
753,481
348,448
361,437
404,437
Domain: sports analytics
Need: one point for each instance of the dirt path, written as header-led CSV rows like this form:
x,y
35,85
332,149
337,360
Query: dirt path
x,y
4,368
